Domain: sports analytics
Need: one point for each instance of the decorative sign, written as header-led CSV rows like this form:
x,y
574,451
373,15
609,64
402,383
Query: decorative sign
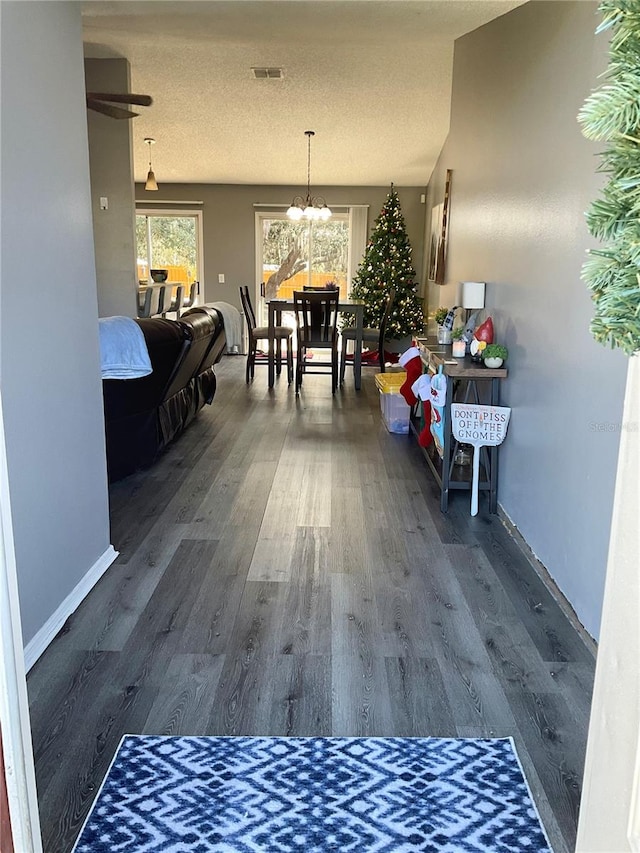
x,y
472,423
479,426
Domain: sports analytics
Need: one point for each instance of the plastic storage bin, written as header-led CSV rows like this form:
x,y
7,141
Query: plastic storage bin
x,y
395,409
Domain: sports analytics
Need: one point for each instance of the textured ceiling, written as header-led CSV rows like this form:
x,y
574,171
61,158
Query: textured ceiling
x,y
372,78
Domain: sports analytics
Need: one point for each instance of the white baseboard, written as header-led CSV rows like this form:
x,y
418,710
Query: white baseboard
x,y
36,646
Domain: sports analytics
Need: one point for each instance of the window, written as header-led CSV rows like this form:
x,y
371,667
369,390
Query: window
x,y
291,255
170,240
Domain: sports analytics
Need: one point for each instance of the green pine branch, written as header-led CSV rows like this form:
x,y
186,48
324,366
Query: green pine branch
x,y
612,114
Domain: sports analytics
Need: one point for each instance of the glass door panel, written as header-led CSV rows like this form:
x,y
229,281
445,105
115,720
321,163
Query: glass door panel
x,y
168,241
293,255
329,253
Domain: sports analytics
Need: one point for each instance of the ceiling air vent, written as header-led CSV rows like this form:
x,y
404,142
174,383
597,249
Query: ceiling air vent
x,y
267,73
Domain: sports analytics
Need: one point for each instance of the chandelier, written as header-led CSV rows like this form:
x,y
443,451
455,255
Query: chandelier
x,y
310,207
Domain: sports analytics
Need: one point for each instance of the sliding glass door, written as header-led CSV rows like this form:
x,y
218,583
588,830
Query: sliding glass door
x,y
169,240
291,255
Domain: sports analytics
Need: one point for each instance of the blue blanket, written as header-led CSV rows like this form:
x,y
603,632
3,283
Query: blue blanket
x,y
123,349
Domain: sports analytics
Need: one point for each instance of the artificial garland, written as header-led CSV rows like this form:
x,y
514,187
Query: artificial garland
x,y
612,114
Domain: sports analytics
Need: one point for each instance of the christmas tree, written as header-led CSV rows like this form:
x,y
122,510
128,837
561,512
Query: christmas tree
x,y
387,264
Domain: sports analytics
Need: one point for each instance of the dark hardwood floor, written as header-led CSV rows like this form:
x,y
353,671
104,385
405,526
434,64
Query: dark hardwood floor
x,y
285,569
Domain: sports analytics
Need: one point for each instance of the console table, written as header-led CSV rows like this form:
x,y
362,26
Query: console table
x,y
469,382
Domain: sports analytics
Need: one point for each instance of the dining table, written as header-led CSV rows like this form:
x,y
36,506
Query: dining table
x,y
346,305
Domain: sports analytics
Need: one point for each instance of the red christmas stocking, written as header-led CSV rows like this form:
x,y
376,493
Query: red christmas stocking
x,y
425,438
411,362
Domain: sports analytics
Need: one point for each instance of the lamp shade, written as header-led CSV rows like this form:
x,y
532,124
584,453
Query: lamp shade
x,y
151,183
473,294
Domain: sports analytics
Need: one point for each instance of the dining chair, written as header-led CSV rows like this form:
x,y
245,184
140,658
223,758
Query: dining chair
x,y
312,288
369,336
261,333
317,326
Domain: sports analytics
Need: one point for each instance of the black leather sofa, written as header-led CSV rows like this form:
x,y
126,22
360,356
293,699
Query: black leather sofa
x,y
142,416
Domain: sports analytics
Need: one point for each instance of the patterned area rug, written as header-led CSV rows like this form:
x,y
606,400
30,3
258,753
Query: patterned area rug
x,y
313,795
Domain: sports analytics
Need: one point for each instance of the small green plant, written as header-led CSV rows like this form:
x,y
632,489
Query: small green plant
x,y
440,315
457,334
495,351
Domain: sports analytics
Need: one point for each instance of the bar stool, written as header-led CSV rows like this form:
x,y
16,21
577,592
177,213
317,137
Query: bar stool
x,y
189,301
176,303
144,302
159,300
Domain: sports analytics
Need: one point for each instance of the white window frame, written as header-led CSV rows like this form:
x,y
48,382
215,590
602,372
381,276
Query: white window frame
x,y
194,214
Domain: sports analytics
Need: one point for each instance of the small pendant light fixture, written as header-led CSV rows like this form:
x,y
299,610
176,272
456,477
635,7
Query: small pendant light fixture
x,y
309,208
151,178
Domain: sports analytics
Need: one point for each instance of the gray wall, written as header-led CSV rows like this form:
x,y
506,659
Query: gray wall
x,y
111,159
523,176
229,224
49,363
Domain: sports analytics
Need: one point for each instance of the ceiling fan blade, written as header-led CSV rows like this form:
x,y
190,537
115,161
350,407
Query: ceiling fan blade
x,y
123,98
108,110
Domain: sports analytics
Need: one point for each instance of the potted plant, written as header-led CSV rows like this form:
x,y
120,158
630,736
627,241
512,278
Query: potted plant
x,y
444,334
459,345
494,354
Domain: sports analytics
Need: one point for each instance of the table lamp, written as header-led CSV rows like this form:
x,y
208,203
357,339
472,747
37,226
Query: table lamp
x,y
472,299
473,294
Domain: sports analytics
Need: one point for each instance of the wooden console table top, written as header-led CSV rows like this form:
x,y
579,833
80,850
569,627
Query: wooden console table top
x,y
434,354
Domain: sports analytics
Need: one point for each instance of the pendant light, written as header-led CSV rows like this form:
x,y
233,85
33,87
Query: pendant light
x,y
309,207
151,178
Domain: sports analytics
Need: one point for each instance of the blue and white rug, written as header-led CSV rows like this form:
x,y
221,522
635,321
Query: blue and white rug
x,y
313,795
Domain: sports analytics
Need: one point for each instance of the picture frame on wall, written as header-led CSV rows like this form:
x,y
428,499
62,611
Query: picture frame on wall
x,y
438,238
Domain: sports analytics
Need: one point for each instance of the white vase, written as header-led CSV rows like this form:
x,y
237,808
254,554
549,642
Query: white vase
x,y
444,335
493,363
